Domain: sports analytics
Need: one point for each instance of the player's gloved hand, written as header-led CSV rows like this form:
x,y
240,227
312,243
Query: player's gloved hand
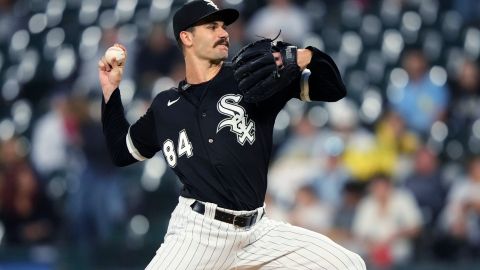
x,y
256,70
110,74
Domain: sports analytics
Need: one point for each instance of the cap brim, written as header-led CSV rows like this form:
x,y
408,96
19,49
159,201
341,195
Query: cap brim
x,y
228,16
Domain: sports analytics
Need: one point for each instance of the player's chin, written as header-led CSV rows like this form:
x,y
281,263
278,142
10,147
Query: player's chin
x,y
222,51
221,56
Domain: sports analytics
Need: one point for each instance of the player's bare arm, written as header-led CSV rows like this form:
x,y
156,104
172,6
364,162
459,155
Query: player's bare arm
x,y
304,56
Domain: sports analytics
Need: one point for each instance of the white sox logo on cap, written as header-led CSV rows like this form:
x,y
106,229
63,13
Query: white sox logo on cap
x,y
209,2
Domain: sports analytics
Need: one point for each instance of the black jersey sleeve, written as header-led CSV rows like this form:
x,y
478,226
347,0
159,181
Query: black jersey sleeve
x,y
321,80
127,144
115,128
141,138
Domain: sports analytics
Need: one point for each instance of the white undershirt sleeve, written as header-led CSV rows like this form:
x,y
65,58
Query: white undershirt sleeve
x,y
132,149
304,87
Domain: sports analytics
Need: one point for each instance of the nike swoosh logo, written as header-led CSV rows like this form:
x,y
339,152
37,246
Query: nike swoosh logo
x,y
171,102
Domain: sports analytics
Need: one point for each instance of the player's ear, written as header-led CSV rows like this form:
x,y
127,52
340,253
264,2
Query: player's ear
x,y
187,38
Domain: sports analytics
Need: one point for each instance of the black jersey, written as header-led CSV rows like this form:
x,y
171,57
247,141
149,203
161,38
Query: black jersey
x,y
218,145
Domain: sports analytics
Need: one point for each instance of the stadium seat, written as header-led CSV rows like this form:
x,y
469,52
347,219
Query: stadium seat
x,y
125,10
18,44
351,15
370,30
410,26
88,12
351,47
432,44
375,66
392,45
89,42
429,11
53,40
471,43
390,13
54,11
451,25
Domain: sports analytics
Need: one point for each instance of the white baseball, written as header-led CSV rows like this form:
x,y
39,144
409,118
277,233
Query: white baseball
x,y
117,53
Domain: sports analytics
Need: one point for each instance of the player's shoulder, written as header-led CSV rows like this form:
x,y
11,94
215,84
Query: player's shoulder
x,y
166,95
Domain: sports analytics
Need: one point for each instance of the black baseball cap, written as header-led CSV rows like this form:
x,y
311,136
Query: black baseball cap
x,y
201,11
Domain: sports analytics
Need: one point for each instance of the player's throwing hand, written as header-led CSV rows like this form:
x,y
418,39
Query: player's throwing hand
x,y
110,72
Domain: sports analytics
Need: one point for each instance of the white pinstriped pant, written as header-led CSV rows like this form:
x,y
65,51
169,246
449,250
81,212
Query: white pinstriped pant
x,y
195,241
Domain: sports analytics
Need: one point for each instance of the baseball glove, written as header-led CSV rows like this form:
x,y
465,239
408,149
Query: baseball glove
x,y
258,75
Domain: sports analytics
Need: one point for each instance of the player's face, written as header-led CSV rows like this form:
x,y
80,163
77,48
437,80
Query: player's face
x,y
211,41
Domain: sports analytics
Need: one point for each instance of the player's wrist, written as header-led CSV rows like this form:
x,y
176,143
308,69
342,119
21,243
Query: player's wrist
x,y
108,93
304,56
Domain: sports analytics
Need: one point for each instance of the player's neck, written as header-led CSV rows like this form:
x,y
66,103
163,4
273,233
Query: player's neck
x,y
199,71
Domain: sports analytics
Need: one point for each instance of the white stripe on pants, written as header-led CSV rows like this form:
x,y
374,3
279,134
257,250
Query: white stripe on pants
x,y
195,241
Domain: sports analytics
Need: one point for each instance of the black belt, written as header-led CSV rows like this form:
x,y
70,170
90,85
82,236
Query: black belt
x,y
242,221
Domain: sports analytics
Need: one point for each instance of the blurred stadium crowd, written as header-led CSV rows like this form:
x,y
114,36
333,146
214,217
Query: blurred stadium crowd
x,y
392,171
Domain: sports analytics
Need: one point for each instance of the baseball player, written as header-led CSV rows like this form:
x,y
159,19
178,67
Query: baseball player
x,y
215,132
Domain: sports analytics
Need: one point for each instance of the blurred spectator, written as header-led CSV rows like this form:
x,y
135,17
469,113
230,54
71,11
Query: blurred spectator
x,y
301,141
469,9
237,39
274,209
309,156
177,73
386,222
296,163
395,144
341,232
156,57
95,203
280,15
355,144
55,133
462,214
427,186
10,18
421,102
465,103
330,180
310,211
26,212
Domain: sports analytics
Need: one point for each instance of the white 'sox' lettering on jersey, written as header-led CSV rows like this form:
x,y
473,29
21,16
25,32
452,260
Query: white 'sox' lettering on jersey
x,y
237,119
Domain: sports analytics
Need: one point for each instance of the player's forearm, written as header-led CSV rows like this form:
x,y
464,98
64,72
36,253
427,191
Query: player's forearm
x,y
325,82
115,128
